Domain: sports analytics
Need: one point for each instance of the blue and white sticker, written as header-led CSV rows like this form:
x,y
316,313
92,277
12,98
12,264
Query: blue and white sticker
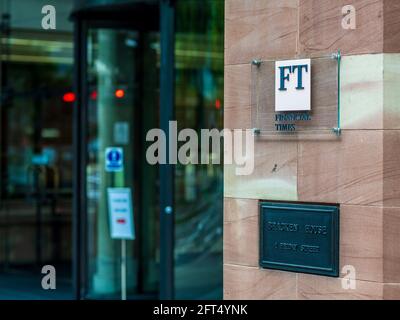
x,y
114,159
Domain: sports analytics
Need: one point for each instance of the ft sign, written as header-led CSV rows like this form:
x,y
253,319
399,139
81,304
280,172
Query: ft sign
x,y
293,85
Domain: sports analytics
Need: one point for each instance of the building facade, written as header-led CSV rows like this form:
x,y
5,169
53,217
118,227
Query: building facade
x,y
357,172
318,217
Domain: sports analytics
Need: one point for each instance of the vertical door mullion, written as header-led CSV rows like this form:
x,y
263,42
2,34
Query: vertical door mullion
x,y
167,22
76,164
79,146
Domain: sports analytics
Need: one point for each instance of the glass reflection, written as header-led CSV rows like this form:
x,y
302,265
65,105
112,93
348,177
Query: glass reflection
x,y
198,195
122,101
36,151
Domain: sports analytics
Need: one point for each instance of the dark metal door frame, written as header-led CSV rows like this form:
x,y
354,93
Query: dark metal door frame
x,y
83,20
167,88
80,160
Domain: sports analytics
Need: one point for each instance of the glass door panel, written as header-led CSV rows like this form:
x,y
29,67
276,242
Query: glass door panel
x,y
122,105
35,165
199,83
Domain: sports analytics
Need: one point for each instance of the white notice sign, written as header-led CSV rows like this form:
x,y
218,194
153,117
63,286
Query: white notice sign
x,y
121,213
293,85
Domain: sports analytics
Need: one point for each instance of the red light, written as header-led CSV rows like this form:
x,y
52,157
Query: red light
x,y
217,104
93,95
69,97
119,93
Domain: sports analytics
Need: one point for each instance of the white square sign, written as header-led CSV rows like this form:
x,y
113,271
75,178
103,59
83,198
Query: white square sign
x,y
121,213
293,85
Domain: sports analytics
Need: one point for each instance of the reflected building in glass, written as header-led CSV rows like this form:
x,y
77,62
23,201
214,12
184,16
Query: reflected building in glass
x,y
36,149
110,72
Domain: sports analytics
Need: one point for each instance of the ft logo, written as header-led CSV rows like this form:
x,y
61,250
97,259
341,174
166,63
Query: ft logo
x,y
49,20
293,85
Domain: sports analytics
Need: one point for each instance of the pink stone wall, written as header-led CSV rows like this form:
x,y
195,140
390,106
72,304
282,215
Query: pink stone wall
x,y
360,171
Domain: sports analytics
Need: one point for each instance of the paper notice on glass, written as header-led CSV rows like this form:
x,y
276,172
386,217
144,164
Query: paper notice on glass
x,y
121,213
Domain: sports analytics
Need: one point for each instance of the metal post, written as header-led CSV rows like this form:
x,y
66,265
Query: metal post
x,y
123,269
